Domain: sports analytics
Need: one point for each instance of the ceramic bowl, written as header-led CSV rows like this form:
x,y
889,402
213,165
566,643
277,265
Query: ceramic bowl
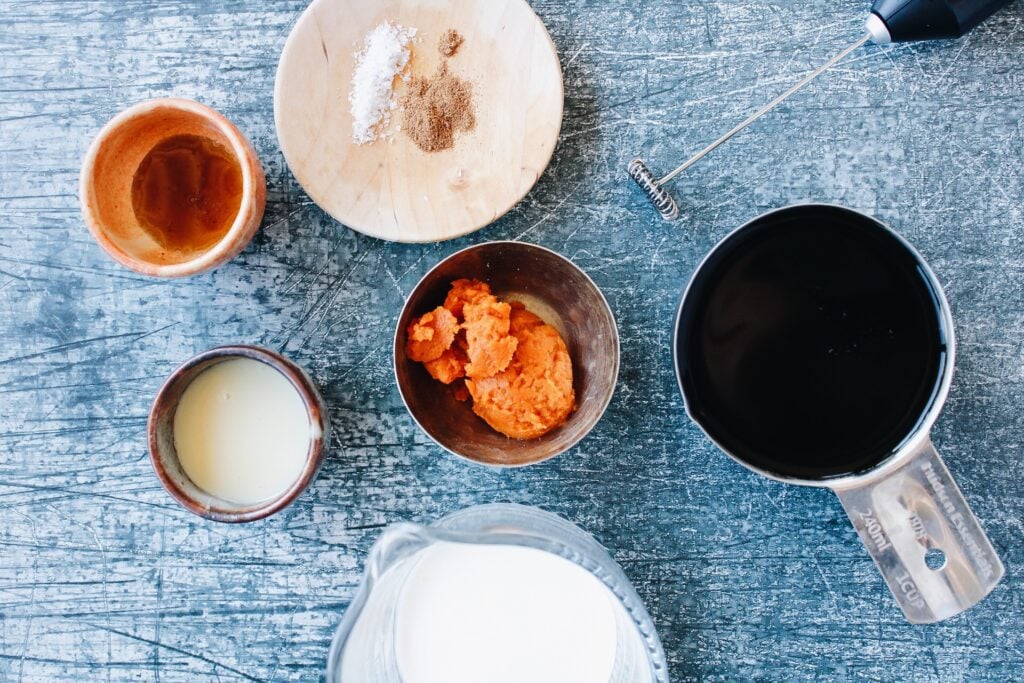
x,y
105,185
165,458
551,287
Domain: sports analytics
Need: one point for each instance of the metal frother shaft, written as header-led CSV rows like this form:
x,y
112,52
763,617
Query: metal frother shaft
x,y
889,21
661,199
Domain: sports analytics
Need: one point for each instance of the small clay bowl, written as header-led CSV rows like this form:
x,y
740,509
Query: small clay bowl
x,y
551,287
165,457
105,186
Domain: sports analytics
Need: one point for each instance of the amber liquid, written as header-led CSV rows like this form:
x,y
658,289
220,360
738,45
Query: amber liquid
x,y
186,193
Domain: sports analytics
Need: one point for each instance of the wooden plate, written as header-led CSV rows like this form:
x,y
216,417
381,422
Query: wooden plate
x,y
391,188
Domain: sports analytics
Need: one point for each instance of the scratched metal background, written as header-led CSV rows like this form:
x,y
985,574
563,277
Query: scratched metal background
x,y
103,577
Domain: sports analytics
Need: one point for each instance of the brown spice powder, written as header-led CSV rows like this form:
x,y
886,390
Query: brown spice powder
x,y
437,107
450,43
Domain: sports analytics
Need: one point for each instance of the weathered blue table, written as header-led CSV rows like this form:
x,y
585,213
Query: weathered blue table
x,y
104,577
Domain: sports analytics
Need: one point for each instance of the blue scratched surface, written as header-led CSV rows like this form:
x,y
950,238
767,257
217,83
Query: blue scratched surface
x,y
103,577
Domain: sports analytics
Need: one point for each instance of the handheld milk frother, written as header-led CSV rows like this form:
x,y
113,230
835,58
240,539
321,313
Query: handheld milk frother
x,y
890,21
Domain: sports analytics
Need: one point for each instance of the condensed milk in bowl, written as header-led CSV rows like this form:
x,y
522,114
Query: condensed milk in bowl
x,y
237,433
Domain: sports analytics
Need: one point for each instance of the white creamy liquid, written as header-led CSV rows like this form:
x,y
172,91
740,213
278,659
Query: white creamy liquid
x,y
503,614
242,431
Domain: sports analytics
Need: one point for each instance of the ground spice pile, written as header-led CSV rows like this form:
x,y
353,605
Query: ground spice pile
x,y
437,107
450,43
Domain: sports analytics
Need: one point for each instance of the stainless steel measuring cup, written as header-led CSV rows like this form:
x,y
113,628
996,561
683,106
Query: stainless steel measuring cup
x,y
906,508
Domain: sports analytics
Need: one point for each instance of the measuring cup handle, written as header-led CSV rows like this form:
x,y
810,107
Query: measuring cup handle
x,y
926,542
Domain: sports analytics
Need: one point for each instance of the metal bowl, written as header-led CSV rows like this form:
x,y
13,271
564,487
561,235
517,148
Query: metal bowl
x,y
563,296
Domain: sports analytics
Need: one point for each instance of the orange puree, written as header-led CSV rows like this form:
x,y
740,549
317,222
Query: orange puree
x,y
466,292
490,346
534,393
516,367
431,335
450,366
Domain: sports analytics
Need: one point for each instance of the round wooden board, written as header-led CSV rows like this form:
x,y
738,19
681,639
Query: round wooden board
x,y
390,188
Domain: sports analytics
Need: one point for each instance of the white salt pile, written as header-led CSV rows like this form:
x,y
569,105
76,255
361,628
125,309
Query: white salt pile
x,y
385,54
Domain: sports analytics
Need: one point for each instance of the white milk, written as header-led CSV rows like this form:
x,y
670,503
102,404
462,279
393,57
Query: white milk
x,y
242,431
503,614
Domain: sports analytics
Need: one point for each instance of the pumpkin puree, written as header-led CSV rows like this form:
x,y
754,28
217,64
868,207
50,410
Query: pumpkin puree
x,y
515,366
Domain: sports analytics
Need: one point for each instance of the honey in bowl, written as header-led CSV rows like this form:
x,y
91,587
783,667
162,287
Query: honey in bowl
x,y
187,192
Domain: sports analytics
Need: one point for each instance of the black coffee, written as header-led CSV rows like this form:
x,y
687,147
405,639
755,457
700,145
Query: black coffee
x,y
811,344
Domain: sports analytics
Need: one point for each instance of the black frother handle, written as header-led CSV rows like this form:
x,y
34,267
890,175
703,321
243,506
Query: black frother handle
x,y
929,19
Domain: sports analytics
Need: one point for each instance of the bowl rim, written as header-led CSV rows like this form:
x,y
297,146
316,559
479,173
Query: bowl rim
x,y
250,208
311,398
398,340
